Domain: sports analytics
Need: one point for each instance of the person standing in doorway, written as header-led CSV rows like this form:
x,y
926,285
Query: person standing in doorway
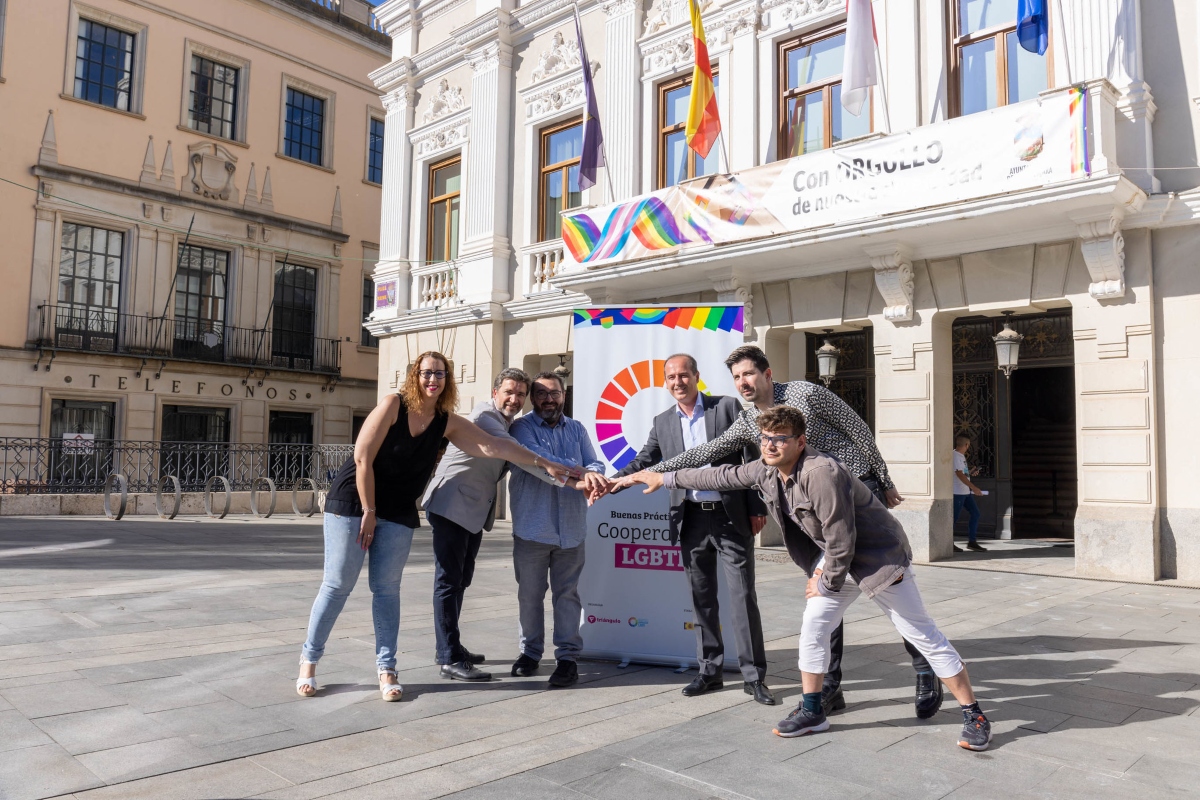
x,y
711,528
549,527
965,491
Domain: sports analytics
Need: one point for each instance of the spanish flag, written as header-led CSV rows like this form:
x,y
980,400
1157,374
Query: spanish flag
x,y
703,123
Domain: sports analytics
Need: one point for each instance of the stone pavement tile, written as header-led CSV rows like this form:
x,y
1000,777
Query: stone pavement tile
x,y
62,697
1067,783
257,689
5,705
100,729
756,777
241,778
16,732
224,721
322,759
164,694
568,770
623,782
894,774
31,650
528,786
128,673
34,618
1148,684
1053,699
1167,705
1170,773
675,751
984,790
134,761
43,771
1164,735
999,765
50,675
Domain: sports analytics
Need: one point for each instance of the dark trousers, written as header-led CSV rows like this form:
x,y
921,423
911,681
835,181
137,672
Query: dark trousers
x,y
705,538
454,551
833,678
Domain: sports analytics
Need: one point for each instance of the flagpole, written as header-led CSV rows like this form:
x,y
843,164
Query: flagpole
x,y
612,194
1062,26
887,116
724,150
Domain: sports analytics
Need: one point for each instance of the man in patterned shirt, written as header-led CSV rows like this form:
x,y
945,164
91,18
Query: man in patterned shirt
x,y
833,428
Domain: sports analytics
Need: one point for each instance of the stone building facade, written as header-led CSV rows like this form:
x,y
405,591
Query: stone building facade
x,y
190,206
1091,439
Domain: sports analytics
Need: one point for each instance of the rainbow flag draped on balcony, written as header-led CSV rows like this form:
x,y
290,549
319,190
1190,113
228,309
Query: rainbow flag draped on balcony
x,y
703,122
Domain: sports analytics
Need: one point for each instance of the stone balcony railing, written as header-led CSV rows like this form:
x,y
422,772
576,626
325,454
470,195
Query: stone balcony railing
x,y
542,262
435,285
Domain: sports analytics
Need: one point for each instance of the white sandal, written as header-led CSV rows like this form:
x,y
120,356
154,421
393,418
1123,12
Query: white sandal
x,y
390,692
310,683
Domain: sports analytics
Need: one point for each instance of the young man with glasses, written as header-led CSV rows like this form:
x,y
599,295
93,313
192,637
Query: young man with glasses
x,y
549,526
833,428
835,529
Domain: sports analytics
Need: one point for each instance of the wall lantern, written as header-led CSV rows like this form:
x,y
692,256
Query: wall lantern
x,y
562,372
827,358
1008,343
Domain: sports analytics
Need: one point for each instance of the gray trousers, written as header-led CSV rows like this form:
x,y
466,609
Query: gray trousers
x,y
707,537
538,566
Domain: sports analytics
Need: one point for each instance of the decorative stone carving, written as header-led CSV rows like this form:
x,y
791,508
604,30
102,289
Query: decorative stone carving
x,y
147,210
615,8
732,290
554,98
168,213
560,57
671,12
894,278
743,21
490,57
398,99
669,55
337,250
211,170
792,11
48,153
1102,246
452,133
446,100
251,231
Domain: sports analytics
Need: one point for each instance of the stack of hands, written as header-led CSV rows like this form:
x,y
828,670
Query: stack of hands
x,y
595,485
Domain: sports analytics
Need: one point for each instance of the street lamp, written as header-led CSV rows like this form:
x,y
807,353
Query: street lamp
x,y
1008,343
827,358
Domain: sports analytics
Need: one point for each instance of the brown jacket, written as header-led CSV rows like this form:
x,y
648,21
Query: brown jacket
x,y
836,510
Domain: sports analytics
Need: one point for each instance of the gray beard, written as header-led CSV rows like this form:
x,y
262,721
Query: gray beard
x,y
553,418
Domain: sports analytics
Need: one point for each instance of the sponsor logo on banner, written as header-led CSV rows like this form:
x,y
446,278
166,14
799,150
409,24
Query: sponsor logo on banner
x,y
635,622
689,626
593,619
645,556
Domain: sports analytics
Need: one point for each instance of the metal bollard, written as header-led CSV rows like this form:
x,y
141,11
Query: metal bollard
x,y
123,485
312,508
208,488
158,498
254,496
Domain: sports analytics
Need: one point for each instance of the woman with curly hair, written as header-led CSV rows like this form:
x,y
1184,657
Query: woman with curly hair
x,y
396,450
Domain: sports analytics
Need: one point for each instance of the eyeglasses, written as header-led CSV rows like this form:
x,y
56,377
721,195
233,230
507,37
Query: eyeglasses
x,y
553,395
426,374
774,441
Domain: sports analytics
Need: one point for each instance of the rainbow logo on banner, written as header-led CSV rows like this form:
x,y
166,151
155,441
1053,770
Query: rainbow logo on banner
x,y
713,318
610,411
649,221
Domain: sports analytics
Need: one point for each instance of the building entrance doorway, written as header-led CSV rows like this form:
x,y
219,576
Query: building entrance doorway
x,y
1022,429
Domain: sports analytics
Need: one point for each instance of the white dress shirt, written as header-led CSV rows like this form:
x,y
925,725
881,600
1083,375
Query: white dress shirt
x,y
694,433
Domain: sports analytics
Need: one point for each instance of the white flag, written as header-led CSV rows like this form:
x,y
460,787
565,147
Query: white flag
x,y
858,70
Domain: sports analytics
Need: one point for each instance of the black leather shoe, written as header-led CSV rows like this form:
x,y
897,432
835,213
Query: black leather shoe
x,y
832,699
473,658
760,691
703,683
565,674
464,671
524,666
929,695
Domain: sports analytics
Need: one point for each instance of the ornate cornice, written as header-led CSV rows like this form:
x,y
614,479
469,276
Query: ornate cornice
x,y
782,13
386,77
894,279
398,99
447,134
490,56
494,25
434,57
554,96
531,14
615,8
744,20
667,55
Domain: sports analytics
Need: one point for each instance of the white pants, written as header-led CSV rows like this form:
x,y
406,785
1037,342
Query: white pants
x,y
903,605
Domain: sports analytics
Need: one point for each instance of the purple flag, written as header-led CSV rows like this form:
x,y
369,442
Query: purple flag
x,y
592,155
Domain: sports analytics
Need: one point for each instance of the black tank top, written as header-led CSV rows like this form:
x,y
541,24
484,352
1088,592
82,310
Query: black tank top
x,y
402,468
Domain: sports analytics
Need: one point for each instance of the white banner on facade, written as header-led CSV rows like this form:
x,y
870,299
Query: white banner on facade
x,y
636,602
1012,148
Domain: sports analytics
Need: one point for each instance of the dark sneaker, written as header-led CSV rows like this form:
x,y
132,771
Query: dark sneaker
x,y
832,699
565,674
524,666
801,722
976,733
957,549
929,695
977,547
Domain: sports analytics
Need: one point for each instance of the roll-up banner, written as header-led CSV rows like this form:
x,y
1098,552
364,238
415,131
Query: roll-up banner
x,y
637,605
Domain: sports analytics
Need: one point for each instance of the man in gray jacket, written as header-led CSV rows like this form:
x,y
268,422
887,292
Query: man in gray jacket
x,y
460,503
824,509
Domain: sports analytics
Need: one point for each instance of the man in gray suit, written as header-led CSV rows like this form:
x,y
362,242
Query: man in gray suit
x,y
711,526
460,503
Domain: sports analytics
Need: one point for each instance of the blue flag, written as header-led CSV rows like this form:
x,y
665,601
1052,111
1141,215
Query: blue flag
x,y
592,155
1033,25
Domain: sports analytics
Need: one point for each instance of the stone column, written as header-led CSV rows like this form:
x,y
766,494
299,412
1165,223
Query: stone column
x,y
621,114
486,256
397,191
1104,40
742,120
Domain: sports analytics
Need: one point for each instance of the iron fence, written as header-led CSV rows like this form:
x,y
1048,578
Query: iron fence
x,y
65,466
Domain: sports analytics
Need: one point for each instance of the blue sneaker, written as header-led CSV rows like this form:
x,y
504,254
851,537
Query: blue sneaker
x,y
801,722
976,732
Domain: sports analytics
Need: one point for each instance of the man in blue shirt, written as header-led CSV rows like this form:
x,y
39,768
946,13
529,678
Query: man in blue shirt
x,y
549,527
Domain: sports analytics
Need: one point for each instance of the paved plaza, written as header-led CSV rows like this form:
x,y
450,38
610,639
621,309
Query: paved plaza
x,y
150,659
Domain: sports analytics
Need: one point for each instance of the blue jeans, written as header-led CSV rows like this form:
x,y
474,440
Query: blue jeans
x,y
968,501
343,562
